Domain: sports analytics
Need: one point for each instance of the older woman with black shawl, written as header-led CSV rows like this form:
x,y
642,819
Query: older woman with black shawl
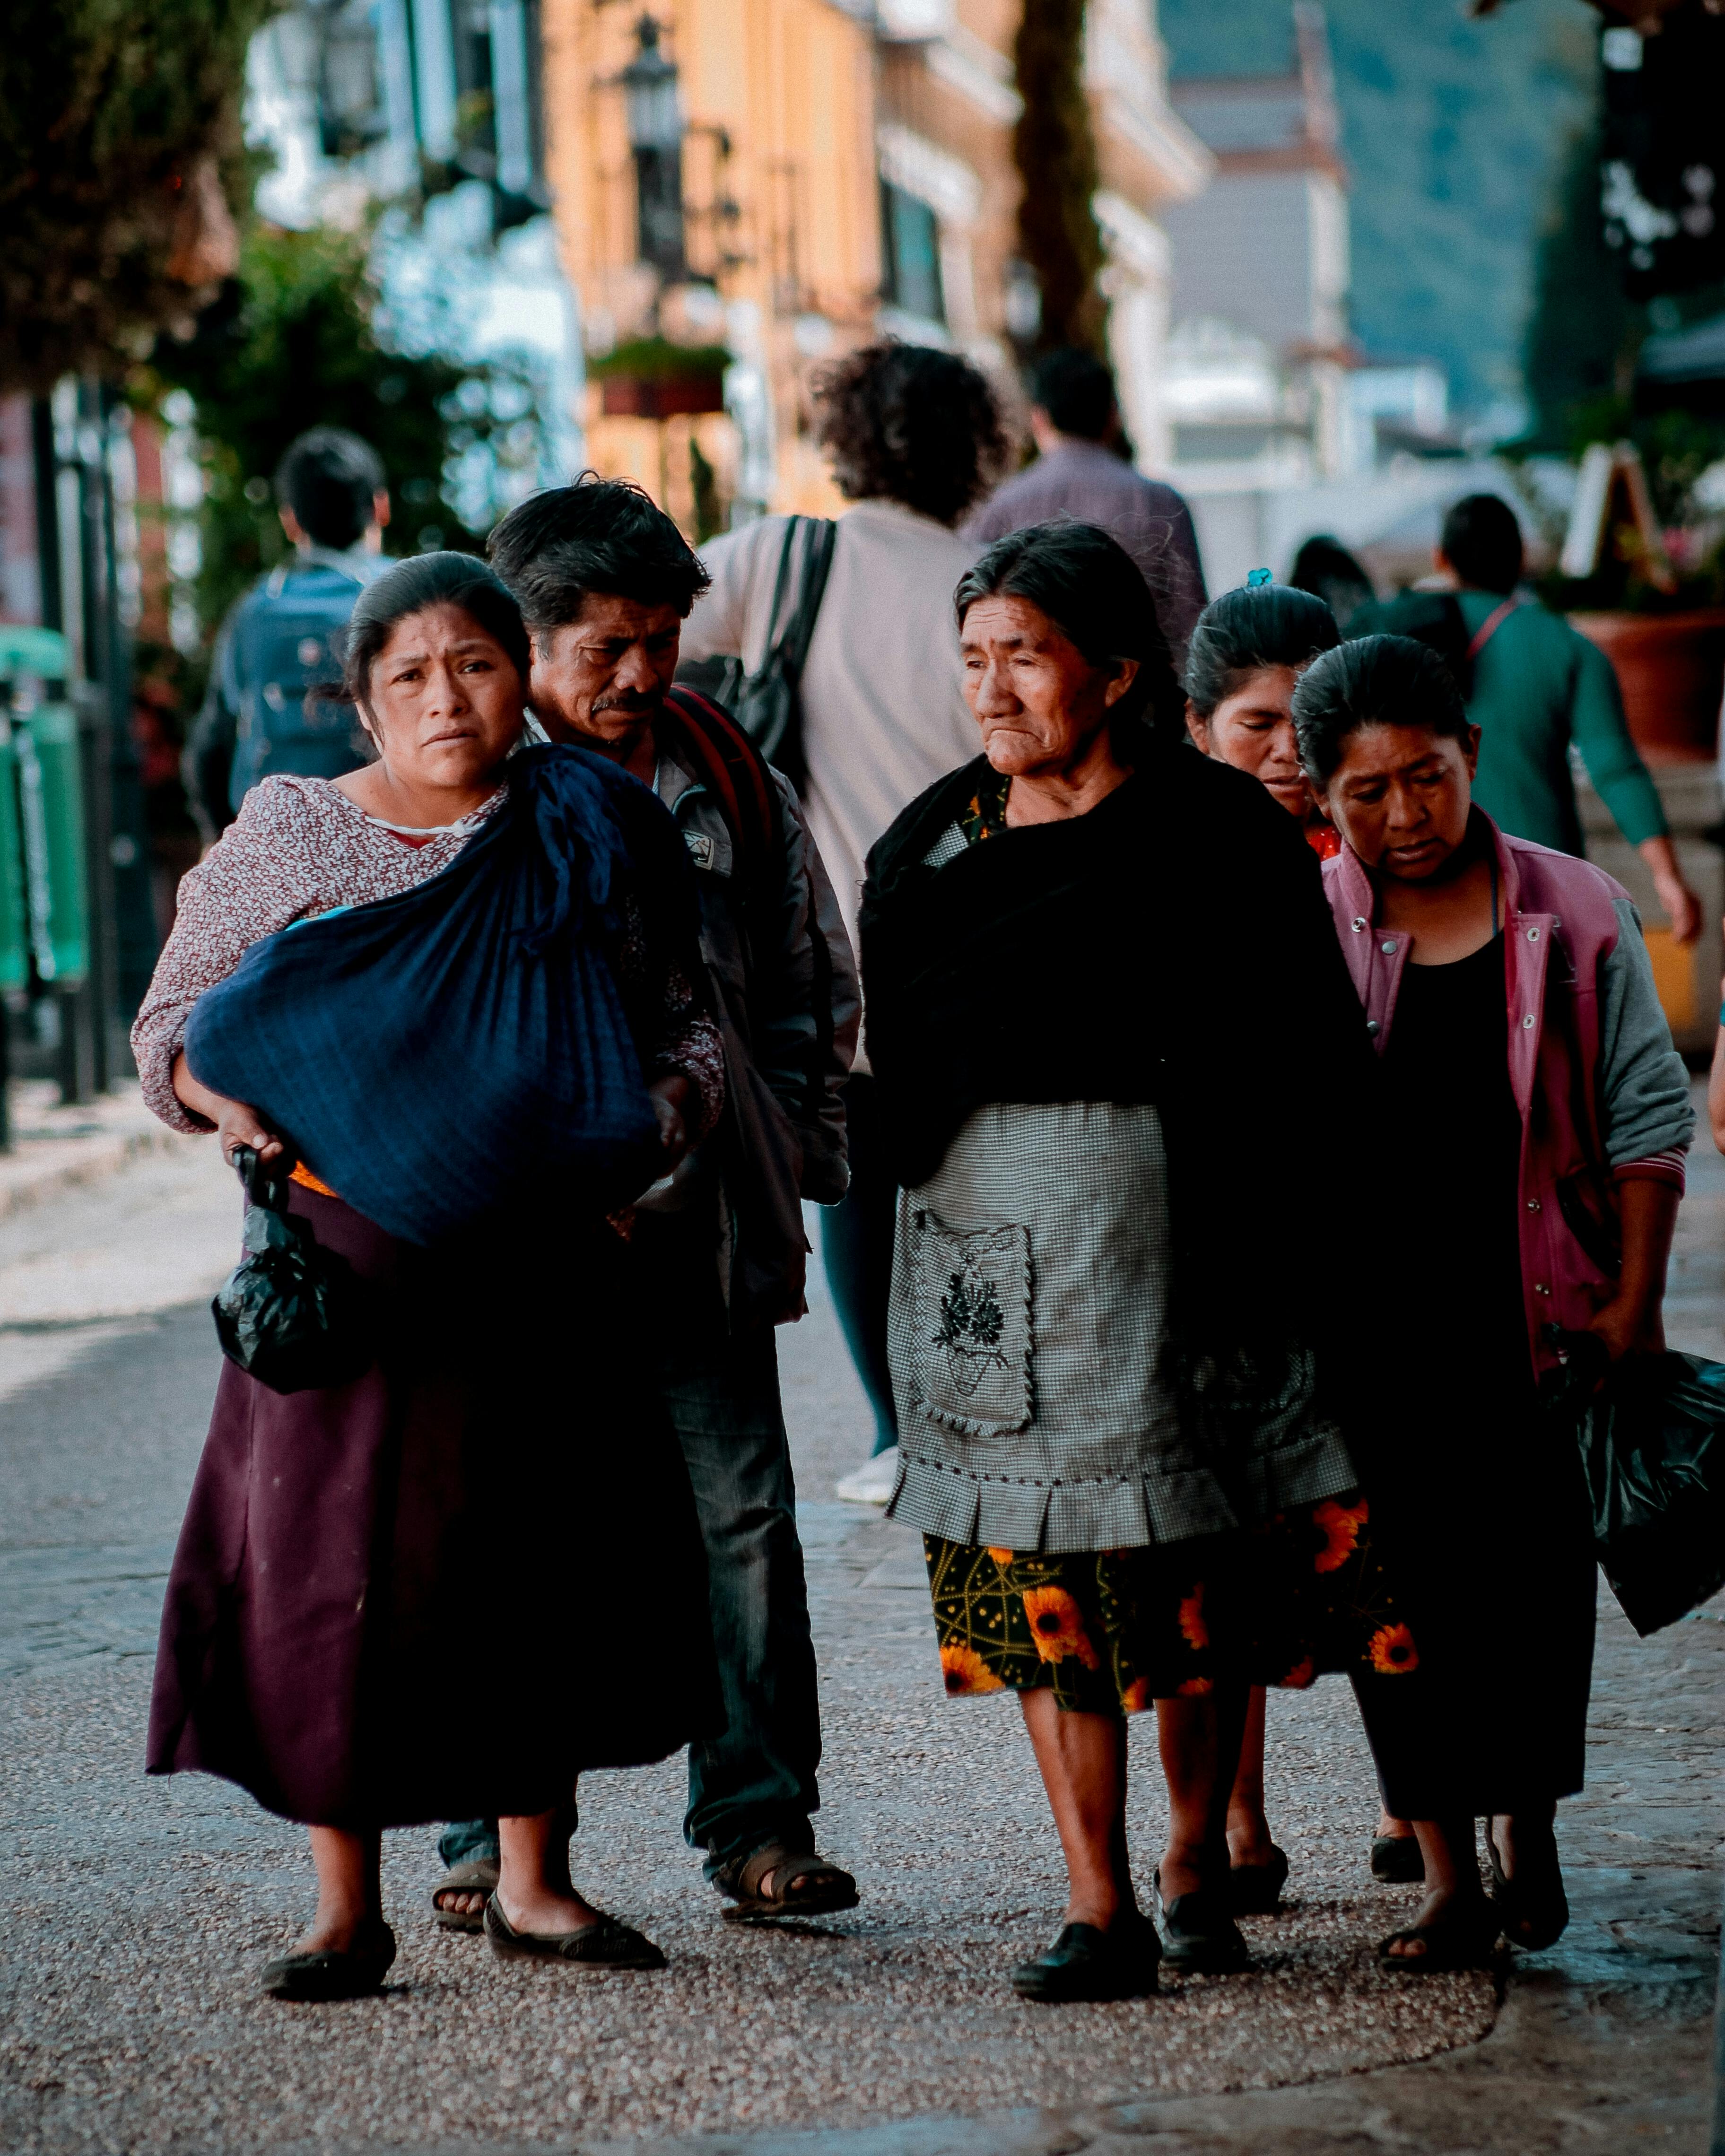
x,y
1107,1021
453,992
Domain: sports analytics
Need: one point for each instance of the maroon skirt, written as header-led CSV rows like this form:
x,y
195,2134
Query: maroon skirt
x,y
445,1589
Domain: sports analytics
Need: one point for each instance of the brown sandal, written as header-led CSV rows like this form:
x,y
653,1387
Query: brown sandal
x,y
804,1884
479,1877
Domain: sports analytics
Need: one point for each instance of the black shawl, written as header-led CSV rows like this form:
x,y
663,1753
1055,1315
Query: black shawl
x,y
1173,946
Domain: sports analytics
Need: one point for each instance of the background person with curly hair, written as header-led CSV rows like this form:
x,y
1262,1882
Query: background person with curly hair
x,y
916,437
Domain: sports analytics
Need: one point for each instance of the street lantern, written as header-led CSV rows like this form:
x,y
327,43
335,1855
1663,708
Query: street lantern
x,y
656,137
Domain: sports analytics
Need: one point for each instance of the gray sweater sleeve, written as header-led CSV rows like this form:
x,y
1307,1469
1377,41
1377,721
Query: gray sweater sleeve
x,y
1644,1086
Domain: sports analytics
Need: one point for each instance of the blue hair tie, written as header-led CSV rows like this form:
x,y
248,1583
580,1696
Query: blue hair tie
x,y
1257,576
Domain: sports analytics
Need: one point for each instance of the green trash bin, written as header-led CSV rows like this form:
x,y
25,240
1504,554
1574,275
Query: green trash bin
x,y
14,915
51,805
43,852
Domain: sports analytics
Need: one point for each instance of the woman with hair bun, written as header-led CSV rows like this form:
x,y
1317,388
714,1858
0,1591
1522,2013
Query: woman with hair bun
x,y
1249,648
1117,1430
380,1610
1537,1117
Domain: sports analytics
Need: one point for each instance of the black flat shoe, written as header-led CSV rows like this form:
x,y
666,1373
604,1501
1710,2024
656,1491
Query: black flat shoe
x,y
1255,1890
1396,1861
606,1944
1533,1918
1085,1963
1199,1937
312,1979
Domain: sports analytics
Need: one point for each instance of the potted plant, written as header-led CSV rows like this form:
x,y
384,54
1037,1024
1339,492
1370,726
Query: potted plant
x,y
652,379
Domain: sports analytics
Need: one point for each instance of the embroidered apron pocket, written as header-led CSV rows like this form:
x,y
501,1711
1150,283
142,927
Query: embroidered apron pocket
x,y
970,1308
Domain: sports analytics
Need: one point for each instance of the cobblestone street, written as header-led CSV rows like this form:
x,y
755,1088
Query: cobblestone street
x,y
137,1912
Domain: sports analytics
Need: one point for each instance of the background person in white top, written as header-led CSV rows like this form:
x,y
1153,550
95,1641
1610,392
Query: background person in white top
x,y
916,437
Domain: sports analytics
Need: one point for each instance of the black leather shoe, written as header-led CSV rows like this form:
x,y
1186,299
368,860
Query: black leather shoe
x,y
1198,1936
1397,1861
606,1944
312,1979
1087,1962
1255,1890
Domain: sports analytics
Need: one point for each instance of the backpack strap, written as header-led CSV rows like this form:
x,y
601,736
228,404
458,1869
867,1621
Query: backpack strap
x,y
800,634
1489,626
738,774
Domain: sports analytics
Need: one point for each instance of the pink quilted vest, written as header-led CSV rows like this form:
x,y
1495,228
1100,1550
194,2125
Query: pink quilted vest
x,y
1559,923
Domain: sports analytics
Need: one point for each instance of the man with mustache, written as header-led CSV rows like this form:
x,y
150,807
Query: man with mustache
x,y
605,581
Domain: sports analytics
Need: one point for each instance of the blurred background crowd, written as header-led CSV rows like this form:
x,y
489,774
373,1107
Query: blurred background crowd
x,y
1348,264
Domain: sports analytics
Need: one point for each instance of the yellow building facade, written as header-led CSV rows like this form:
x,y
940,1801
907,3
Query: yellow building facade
x,y
845,170
780,212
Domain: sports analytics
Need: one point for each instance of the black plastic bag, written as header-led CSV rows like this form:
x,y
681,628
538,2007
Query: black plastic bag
x,y
291,1314
1651,1431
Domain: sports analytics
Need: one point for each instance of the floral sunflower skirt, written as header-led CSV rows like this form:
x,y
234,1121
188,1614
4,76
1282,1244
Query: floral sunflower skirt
x,y
1108,1631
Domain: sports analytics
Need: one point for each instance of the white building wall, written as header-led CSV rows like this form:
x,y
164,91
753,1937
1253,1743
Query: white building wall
x,y
1243,253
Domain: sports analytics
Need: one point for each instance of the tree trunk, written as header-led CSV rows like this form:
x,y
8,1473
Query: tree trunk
x,y
1055,153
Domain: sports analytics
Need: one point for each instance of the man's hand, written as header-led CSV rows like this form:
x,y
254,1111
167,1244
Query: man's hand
x,y
670,1097
1679,905
237,1123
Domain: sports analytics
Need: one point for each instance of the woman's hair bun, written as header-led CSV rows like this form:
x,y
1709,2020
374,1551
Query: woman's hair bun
x,y
1258,624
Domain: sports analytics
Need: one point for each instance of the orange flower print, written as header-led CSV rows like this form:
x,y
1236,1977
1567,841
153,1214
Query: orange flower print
x,y
1197,1687
1001,1556
1299,1676
1136,1697
1340,1525
1392,1651
1057,1627
966,1671
1192,1629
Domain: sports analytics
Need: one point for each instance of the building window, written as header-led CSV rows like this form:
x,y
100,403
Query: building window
x,y
911,252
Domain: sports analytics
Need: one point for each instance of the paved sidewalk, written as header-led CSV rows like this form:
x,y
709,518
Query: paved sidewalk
x,y
136,1914
56,1147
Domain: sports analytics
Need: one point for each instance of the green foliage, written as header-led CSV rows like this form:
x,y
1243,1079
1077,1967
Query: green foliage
x,y
292,345
109,111
1452,132
1055,150
657,359
1583,339
1578,359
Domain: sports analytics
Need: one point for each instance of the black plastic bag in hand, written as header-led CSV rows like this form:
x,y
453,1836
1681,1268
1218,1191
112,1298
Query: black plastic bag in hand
x,y
1651,1431
291,1314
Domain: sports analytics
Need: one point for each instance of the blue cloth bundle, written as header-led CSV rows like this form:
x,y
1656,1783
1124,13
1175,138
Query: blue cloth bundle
x,y
463,1050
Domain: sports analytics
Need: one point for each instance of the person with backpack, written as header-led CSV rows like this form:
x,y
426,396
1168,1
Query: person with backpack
x,y
605,579
287,634
1535,688
848,626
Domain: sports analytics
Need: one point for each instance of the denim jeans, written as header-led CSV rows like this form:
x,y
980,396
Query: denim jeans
x,y
755,1783
856,1245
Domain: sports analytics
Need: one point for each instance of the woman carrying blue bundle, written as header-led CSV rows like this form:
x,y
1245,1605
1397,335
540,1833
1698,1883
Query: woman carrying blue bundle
x,y
480,1038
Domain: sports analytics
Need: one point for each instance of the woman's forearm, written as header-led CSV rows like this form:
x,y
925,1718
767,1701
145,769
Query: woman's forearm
x,y
196,1099
235,1123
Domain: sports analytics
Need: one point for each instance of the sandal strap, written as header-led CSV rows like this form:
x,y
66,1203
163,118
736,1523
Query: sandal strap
x,y
786,1867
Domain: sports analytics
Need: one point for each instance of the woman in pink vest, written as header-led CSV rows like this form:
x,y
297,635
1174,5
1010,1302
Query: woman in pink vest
x,y
1536,1118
